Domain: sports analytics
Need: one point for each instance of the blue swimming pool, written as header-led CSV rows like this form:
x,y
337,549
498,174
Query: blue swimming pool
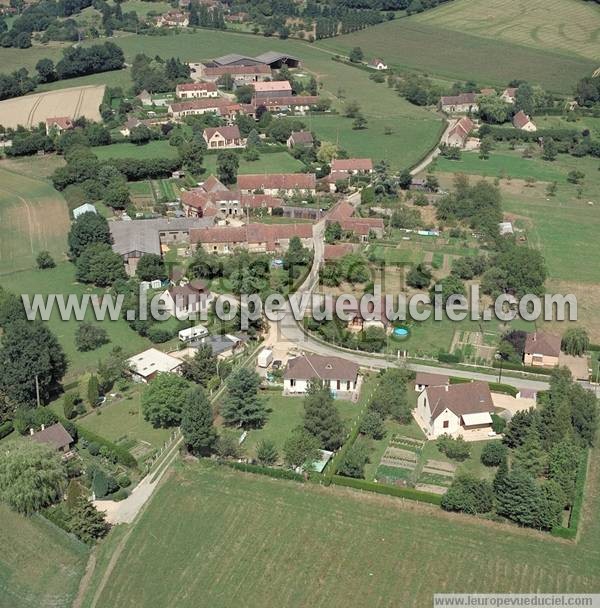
x,y
400,332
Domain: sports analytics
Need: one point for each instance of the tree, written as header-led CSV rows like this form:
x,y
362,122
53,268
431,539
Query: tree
x,y
518,497
32,476
327,152
242,405
228,446
493,109
468,494
228,163
163,400
202,367
197,426
493,453
518,428
575,341
266,452
455,448
549,151
530,455
372,425
485,148
419,277
525,98
405,179
359,122
253,138
86,522
151,267
356,55
88,228
575,177
563,464
31,360
69,401
301,449
140,135
100,265
116,195
451,286
354,461
192,155
351,109
111,369
44,260
333,232
321,416
93,391
45,69
389,398
89,336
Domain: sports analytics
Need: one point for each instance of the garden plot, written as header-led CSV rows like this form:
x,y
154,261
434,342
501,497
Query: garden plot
x,y
437,475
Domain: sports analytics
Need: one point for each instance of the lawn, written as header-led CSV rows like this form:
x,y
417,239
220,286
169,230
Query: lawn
x,y
212,535
40,565
142,8
286,414
120,420
61,280
442,51
33,217
567,26
273,162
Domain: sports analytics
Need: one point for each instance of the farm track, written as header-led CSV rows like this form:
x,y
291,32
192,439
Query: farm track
x,y
32,111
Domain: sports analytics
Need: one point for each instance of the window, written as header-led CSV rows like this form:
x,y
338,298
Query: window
x,y
292,382
446,424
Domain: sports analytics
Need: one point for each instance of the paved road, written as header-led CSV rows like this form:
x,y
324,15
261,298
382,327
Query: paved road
x,y
433,154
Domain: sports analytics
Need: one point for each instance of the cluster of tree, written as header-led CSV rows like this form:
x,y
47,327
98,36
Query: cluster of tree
x,y
351,268
418,89
587,91
114,18
156,74
204,16
345,21
81,61
536,477
16,84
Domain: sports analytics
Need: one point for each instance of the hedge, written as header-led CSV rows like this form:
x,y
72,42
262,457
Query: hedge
x,y
261,470
529,369
369,486
6,429
496,387
448,358
594,347
571,531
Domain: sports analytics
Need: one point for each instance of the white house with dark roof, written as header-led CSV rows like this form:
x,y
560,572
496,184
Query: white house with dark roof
x,y
455,409
523,122
189,299
341,375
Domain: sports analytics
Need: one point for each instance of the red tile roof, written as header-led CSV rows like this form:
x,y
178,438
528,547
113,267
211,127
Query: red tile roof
x,y
427,379
462,128
196,86
540,343
232,132
274,85
56,435
352,164
277,181
62,122
337,251
464,398
214,103
307,367
457,100
237,69
520,119
251,233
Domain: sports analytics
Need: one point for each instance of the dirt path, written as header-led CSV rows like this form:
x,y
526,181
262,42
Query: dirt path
x,y
85,580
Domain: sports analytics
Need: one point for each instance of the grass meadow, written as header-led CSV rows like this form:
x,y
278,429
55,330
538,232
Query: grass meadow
x,y
33,217
40,565
568,26
229,537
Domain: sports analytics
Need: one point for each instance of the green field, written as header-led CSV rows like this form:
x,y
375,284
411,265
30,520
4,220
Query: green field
x,y
372,142
40,565
222,538
153,149
142,8
440,51
568,26
61,280
33,217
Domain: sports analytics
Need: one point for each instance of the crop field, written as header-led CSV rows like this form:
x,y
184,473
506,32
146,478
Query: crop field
x,y
440,51
33,109
568,26
33,217
221,535
40,565
61,280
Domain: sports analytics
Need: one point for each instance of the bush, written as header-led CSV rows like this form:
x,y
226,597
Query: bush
x,y
448,358
123,480
468,494
493,453
456,449
121,454
93,448
6,429
498,424
120,494
158,334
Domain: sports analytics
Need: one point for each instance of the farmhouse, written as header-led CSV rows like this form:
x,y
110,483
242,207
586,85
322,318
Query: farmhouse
x,y
134,238
258,238
509,95
196,90
185,300
219,138
240,74
374,314
523,122
362,227
424,380
130,123
541,349
458,104
459,133
377,64
173,19
275,88
341,168
146,366
340,375
300,138
55,435
278,183
198,106
456,409
58,124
